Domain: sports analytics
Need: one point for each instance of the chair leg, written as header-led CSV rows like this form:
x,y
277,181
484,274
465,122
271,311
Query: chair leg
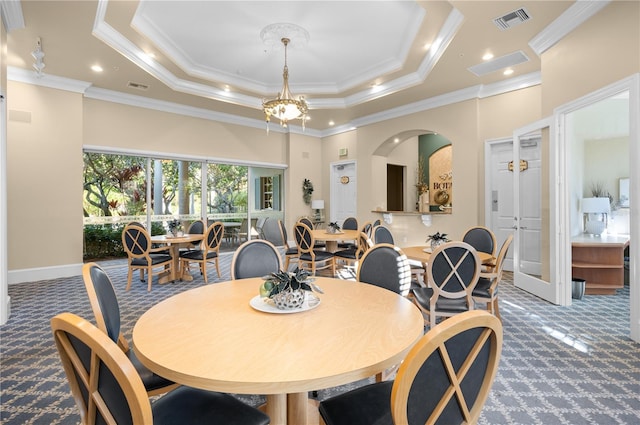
x,y
286,263
496,310
129,278
149,279
141,275
203,268
217,266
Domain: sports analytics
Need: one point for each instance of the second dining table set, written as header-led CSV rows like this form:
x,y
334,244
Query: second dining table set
x,y
231,337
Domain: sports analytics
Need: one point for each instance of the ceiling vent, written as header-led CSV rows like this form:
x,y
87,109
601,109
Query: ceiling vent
x,y
512,19
137,86
502,62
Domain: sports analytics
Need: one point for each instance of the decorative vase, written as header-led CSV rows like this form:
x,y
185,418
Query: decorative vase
x,y
289,299
436,243
174,232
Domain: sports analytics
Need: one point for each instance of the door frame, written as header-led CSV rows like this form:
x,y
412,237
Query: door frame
x,y
333,172
632,85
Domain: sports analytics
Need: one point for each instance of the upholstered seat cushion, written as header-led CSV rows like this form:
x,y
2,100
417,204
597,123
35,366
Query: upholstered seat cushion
x,y
150,380
482,288
155,259
197,255
347,253
320,256
292,251
448,305
189,405
368,405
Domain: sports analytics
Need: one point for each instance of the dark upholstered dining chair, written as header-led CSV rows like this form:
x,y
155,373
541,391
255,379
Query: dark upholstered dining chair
x,y
290,252
352,256
310,258
255,258
382,234
483,240
107,390
349,223
444,379
308,222
209,250
142,256
385,265
106,310
452,273
486,290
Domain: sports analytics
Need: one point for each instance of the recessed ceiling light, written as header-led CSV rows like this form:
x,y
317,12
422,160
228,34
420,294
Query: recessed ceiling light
x,y
427,46
96,68
331,123
227,89
508,71
396,140
487,56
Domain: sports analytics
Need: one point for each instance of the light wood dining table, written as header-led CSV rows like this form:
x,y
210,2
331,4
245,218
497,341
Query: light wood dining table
x,y
423,254
175,242
332,239
212,338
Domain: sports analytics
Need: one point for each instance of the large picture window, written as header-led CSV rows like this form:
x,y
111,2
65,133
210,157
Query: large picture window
x,y
120,188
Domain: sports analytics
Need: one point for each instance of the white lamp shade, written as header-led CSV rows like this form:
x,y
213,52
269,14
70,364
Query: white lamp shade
x,y
317,204
595,205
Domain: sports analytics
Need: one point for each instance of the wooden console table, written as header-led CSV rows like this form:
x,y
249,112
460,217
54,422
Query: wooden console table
x,y
599,261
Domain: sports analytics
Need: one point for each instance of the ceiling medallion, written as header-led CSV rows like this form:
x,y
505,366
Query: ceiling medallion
x,y
285,107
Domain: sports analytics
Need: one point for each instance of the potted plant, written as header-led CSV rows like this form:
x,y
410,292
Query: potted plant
x,y
175,226
307,190
287,289
437,239
333,227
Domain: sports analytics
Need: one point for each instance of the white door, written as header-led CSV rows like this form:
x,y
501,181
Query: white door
x,y
500,206
536,233
343,191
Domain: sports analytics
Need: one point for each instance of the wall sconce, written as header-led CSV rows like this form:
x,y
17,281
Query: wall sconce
x,y
318,204
595,214
387,218
426,219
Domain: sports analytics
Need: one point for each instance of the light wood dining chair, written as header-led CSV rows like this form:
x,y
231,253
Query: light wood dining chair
x,y
106,310
107,389
137,244
483,240
452,273
352,256
209,250
310,258
486,290
444,379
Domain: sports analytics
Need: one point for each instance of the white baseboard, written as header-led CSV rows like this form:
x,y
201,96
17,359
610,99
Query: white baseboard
x,y
44,273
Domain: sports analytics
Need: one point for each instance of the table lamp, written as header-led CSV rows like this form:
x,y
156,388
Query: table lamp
x,y
318,204
595,212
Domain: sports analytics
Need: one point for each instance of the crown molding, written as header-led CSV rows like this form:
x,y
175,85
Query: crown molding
x,y
569,20
90,92
12,17
46,80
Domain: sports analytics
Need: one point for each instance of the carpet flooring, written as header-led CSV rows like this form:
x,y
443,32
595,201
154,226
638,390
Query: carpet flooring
x,y
559,365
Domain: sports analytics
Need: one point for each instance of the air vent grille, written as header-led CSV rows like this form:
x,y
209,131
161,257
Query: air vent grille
x,y
137,86
512,19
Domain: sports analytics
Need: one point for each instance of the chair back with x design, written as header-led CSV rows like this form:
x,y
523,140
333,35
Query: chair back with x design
x,y
447,375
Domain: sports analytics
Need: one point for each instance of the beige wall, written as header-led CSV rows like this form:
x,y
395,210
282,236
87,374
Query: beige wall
x,y
44,175
603,50
305,158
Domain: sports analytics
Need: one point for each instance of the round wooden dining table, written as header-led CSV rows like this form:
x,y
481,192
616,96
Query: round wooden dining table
x,y
212,338
175,242
332,239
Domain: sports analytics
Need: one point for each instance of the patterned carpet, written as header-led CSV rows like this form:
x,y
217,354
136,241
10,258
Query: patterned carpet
x,y
559,365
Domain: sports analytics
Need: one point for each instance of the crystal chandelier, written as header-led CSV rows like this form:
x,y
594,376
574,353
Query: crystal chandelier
x,y
285,107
